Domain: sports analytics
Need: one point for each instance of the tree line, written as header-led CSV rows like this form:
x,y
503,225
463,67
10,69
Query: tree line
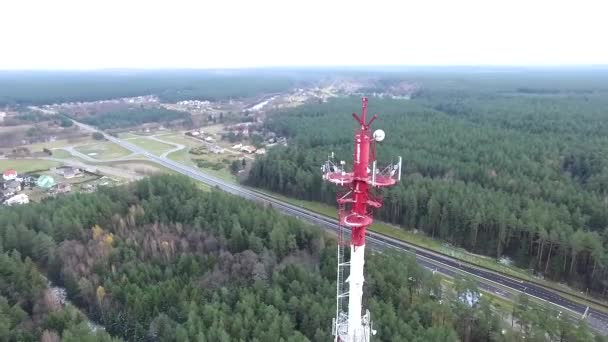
x,y
38,88
496,173
160,260
135,116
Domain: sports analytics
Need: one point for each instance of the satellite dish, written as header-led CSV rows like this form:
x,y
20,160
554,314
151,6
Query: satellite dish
x,y
379,135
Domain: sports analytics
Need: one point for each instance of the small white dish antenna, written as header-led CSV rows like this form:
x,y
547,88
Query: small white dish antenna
x,y
379,135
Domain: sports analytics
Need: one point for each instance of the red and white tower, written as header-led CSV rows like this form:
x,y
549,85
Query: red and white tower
x,y
355,202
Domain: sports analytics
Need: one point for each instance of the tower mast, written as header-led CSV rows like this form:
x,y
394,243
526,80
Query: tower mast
x,y
355,200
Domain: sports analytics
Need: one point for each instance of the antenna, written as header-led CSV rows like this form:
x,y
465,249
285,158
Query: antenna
x,y
354,197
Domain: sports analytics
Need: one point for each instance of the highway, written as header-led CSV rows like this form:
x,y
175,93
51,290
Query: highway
x,y
490,281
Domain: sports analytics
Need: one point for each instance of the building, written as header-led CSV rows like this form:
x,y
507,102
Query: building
x,y
13,185
64,188
216,149
28,180
70,172
18,199
9,174
45,182
6,193
237,146
261,151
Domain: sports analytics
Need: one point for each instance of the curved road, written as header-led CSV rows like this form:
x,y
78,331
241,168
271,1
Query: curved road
x,y
178,147
492,282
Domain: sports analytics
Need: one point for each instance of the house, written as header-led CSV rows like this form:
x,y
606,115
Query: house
x,y
261,151
70,172
63,188
248,149
209,139
29,180
216,149
237,146
18,199
6,193
9,174
13,185
45,182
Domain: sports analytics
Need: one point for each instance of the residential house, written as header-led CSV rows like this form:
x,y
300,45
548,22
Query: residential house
x,y
70,172
18,199
13,185
63,188
6,193
9,174
216,149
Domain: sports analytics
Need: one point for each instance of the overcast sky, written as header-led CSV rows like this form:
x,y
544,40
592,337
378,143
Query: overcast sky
x,y
91,34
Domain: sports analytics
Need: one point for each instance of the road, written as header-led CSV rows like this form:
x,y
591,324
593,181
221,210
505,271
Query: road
x,y
491,281
108,170
178,147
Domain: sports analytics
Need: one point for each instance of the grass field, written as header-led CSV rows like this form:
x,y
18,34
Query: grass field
x,y
179,138
186,158
27,165
62,154
152,146
103,150
223,174
182,156
127,135
59,143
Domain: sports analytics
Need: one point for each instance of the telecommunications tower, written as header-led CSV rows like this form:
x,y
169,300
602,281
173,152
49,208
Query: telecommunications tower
x,y
356,199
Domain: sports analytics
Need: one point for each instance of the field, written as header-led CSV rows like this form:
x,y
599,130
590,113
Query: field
x,y
103,150
128,135
180,138
140,165
62,154
217,165
27,165
152,146
59,143
182,156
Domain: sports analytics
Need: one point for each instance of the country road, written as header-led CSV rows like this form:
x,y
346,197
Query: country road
x,y
489,281
178,147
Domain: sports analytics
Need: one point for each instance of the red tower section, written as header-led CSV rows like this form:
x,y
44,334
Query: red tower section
x,y
358,200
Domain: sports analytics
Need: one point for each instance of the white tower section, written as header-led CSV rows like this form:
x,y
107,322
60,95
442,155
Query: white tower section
x,y
359,329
